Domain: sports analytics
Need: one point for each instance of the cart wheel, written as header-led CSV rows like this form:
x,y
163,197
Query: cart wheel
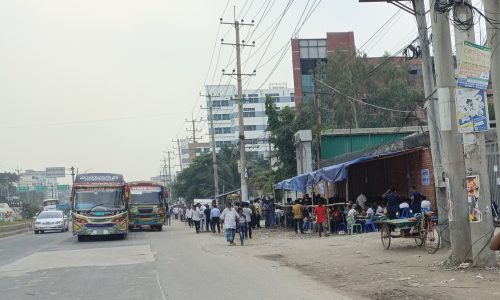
x,y
432,240
385,235
420,239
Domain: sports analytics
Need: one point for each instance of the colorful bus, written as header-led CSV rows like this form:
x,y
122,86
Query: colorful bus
x,y
99,205
50,204
147,205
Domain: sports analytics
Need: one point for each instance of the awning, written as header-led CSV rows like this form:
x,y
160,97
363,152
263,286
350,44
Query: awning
x,y
335,173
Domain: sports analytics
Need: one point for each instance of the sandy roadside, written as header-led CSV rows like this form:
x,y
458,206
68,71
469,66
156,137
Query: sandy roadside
x,y
359,267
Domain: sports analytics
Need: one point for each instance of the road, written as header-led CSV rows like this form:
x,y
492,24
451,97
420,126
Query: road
x,y
173,264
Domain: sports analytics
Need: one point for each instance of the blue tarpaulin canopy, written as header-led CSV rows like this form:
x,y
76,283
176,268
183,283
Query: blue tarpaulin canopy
x,y
335,173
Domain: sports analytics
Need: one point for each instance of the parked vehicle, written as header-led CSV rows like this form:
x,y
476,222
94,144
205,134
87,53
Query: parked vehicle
x,y
53,220
147,206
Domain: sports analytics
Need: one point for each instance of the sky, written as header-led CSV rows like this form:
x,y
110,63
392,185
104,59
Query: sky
x,y
107,85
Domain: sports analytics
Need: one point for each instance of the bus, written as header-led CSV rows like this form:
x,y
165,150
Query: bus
x,y
147,205
99,205
50,204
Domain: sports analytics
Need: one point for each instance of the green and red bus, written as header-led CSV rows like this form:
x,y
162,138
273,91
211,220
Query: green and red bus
x,y
99,205
147,205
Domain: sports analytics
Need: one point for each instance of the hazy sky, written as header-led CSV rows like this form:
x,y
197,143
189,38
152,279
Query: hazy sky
x,y
108,84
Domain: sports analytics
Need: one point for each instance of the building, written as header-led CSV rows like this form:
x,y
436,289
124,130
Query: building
x,y
226,118
190,151
37,181
306,53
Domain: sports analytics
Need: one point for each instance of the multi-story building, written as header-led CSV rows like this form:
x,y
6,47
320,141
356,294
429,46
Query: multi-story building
x,y
226,118
38,181
307,53
190,151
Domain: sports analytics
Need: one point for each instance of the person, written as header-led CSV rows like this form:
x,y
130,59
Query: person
x,y
258,212
207,217
426,204
189,216
370,213
298,217
320,212
248,215
181,214
393,199
253,222
416,199
279,215
380,209
361,201
196,218
168,215
176,212
266,213
229,216
215,218
337,218
495,242
242,224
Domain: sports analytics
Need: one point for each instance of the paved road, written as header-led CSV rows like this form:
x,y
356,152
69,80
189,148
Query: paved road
x,y
173,264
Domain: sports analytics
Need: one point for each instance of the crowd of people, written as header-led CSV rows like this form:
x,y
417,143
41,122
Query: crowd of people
x,y
304,215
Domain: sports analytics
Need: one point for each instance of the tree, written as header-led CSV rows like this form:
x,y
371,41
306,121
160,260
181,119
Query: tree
x,y
387,85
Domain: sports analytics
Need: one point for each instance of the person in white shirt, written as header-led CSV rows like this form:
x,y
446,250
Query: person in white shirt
x,y
248,215
380,210
229,216
196,218
189,216
361,201
404,204
176,212
426,204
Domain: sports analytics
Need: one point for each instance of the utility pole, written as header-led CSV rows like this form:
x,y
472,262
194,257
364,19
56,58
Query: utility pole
x,y
193,122
241,137
180,153
492,11
73,175
475,159
212,141
317,108
432,123
453,155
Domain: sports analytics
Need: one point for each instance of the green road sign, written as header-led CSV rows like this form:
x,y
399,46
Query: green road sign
x,y
63,187
40,188
22,189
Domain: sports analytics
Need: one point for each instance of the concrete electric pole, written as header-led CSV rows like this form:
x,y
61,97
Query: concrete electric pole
x,y
241,137
212,142
452,154
475,155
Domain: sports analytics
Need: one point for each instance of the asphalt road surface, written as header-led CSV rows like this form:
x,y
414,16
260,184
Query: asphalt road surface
x,y
172,264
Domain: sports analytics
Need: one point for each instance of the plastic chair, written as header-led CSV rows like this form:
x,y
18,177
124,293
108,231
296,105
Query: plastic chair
x,y
370,225
340,226
351,225
405,213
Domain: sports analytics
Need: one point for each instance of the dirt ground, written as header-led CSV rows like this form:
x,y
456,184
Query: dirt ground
x,y
358,266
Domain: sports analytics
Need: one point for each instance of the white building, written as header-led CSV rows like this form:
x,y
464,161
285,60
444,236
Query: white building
x,y
225,115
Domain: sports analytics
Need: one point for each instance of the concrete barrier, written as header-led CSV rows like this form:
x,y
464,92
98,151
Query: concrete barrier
x,y
9,230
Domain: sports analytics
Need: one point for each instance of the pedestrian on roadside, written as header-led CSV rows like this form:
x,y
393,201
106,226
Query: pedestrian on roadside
x,y
242,224
189,216
196,218
168,215
229,216
253,222
320,212
258,212
215,218
248,215
298,217
176,212
393,199
207,217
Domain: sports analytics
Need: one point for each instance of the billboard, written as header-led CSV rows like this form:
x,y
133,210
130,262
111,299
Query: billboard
x,y
55,172
472,110
474,68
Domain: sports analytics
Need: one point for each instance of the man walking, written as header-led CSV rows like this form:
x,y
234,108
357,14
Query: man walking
x,y
298,216
207,217
248,217
215,218
196,218
229,216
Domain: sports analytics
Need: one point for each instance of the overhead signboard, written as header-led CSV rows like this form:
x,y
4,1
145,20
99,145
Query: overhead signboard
x,y
41,188
55,172
63,187
22,189
474,68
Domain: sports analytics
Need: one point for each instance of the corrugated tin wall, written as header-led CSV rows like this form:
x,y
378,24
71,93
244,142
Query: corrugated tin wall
x,y
493,160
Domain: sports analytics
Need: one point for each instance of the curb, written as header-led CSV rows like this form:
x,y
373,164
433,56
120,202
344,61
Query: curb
x,y
6,231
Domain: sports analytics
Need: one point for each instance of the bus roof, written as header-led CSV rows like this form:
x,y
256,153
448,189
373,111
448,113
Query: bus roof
x,y
99,179
50,199
143,183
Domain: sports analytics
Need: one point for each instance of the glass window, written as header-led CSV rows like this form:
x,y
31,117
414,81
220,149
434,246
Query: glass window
x,y
321,43
322,52
313,52
250,127
303,43
313,43
304,53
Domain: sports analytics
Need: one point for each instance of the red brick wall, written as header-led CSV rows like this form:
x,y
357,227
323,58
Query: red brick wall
x,y
422,160
340,41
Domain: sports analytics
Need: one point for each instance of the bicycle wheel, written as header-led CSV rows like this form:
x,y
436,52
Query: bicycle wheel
x,y
385,235
432,239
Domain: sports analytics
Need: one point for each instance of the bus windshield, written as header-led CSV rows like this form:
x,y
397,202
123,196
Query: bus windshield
x,y
99,199
50,202
145,197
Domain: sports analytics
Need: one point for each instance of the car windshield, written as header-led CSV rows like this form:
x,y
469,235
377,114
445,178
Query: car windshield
x,y
50,215
99,199
145,197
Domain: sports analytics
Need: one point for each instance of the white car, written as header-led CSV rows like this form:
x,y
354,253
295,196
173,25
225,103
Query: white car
x,y
50,221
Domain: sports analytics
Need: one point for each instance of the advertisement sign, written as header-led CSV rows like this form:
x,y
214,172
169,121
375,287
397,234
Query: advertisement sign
x,y
55,172
474,68
472,110
426,177
63,187
41,188
473,198
21,189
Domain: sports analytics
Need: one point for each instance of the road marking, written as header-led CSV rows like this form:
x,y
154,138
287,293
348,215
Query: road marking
x,y
125,255
161,288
